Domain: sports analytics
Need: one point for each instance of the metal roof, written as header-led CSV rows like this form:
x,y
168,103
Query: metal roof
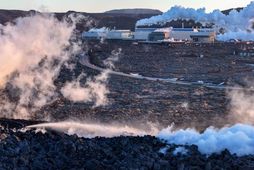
x,y
145,29
202,34
183,29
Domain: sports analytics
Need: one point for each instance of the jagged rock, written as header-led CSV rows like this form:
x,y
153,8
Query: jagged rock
x,y
52,150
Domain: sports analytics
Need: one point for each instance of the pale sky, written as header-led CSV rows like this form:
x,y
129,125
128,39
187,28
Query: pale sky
x,y
104,5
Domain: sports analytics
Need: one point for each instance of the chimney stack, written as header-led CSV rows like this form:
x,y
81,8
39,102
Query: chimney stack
x,y
182,25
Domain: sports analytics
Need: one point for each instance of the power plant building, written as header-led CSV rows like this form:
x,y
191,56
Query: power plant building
x,y
120,34
182,33
154,34
95,33
160,34
142,34
203,37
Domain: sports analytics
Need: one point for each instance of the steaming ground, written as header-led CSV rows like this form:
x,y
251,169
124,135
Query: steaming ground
x,y
135,102
40,83
210,141
92,130
34,51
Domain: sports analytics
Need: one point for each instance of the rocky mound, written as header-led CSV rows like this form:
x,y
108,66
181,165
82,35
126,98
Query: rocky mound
x,y
38,150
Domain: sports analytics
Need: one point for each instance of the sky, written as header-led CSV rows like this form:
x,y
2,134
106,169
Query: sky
x,y
104,5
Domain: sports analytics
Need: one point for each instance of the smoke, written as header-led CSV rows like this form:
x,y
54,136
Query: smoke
x,y
33,51
91,130
241,105
243,35
30,40
236,24
95,88
110,61
238,139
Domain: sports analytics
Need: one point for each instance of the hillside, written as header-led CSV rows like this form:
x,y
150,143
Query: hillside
x,y
135,11
119,19
112,20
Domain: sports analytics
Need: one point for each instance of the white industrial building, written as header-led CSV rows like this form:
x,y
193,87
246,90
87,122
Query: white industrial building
x,y
203,37
160,34
95,33
175,34
105,33
154,34
182,33
120,34
142,34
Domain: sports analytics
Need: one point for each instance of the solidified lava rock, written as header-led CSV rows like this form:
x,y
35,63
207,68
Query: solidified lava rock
x,y
53,150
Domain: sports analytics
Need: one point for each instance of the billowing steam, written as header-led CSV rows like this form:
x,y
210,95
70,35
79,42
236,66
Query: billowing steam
x,y
91,130
33,50
242,35
32,53
237,24
26,43
94,90
241,106
237,139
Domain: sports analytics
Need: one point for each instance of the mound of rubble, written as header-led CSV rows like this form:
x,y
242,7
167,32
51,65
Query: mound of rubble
x,y
33,149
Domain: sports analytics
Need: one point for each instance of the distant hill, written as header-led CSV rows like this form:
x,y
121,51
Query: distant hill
x,y
110,20
10,15
136,11
119,19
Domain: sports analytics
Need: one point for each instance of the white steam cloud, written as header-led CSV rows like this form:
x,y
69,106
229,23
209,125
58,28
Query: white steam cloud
x,y
91,130
237,24
238,139
33,50
241,106
95,88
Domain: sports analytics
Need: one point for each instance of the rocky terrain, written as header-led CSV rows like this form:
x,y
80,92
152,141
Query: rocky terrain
x,y
213,63
32,149
140,102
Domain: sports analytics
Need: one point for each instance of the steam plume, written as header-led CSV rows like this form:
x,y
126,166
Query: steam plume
x,y
237,139
33,50
236,24
241,106
94,89
90,130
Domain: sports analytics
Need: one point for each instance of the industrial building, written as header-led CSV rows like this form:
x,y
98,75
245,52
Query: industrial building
x,y
183,34
95,33
142,34
159,34
120,34
108,34
203,37
154,34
